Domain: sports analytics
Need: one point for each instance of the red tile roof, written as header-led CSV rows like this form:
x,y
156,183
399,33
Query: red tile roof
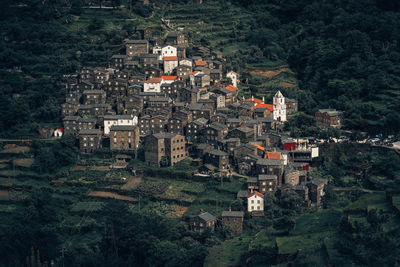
x,y
255,100
169,78
232,71
231,88
200,62
255,193
274,155
154,80
60,129
195,72
170,58
268,106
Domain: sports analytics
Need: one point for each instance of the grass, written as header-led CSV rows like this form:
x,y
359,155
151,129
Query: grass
x,y
229,252
375,200
264,238
87,206
291,244
320,221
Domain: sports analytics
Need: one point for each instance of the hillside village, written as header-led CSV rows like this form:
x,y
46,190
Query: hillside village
x,y
199,133
155,99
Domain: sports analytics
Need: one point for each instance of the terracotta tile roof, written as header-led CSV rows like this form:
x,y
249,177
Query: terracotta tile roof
x,y
169,78
268,106
232,71
255,193
255,100
170,58
274,155
231,88
195,72
60,129
200,62
154,80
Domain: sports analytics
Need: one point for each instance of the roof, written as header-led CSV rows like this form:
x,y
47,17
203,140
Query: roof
x,y
233,214
206,216
200,62
170,58
255,100
231,71
169,78
173,34
269,162
118,117
136,42
149,55
217,152
163,135
60,129
71,118
122,128
255,193
159,99
231,88
241,194
89,131
244,129
331,112
265,106
251,180
154,80
200,121
217,126
274,155
118,56
93,92
267,177
85,120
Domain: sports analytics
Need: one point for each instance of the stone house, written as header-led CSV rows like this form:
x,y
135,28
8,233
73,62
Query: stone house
x,y
201,80
233,219
135,48
214,132
292,106
89,140
194,128
215,76
94,97
93,110
183,72
328,118
152,72
200,111
118,61
158,103
152,124
69,109
177,125
123,137
168,147
173,89
189,95
316,190
148,61
85,123
243,132
86,73
70,125
267,183
101,76
271,167
217,158
203,221
116,87
176,38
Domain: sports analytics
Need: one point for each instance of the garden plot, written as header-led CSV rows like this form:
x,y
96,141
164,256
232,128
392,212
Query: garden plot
x,y
105,194
375,200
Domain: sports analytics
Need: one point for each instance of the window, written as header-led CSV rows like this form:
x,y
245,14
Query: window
x,y
252,201
258,201
252,207
270,183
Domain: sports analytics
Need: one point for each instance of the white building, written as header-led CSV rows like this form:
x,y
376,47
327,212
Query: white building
x,y
234,77
59,132
170,63
186,62
169,51
119,120
152,85
255,202
157,50
279,107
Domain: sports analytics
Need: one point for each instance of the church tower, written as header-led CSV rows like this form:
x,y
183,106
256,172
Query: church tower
x,y
279,107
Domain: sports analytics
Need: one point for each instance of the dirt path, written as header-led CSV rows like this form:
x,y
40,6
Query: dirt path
x,y
110,195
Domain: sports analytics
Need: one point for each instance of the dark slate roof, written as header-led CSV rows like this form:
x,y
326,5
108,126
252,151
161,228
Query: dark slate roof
x,y
215,71
118,117
269,162
71,118
90,131
86,120
136,42
251,179
93,92
206,216
262,177
163,135
149,56
242,194
200,121
318,182
159,99
218,152
217,126
118,56
233,214
122,128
